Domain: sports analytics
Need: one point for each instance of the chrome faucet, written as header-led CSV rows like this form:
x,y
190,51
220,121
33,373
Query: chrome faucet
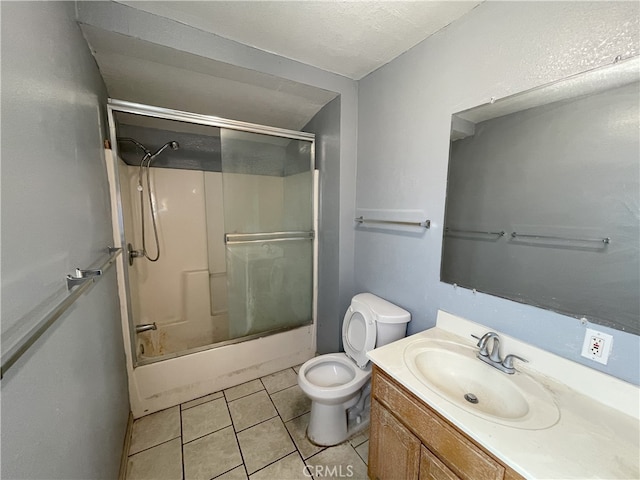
x,y
493,358
145,327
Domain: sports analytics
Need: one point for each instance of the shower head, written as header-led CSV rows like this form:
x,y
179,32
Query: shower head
x,y
173,144
136,143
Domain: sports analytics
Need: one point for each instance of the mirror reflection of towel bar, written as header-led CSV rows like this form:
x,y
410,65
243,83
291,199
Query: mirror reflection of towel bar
x,y
425,224
479,232
605,240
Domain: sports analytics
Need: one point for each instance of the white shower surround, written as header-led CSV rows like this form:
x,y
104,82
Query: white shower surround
x,y
162,384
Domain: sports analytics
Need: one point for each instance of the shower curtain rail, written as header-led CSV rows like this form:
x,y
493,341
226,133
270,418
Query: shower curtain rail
x,y
76,285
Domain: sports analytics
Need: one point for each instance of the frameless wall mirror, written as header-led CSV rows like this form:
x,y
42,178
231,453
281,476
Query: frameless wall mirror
x,y
543,197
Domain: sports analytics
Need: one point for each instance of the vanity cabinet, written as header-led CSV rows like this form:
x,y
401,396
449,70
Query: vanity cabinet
x,y
410,441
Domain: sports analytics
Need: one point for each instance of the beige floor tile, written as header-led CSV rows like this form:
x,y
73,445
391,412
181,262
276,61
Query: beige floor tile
x,y
280,380
243,390
237,473
298,431
251,410
155,429
363,451
297,368
211,455
264,444
360,438
204,419
336,462
291,402
290,467
201,400
162,462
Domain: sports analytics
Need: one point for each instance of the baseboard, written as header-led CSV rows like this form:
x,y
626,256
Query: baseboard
x,y
125,448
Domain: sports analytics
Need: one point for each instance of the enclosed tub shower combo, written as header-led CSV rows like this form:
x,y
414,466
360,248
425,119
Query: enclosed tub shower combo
x,y
217,222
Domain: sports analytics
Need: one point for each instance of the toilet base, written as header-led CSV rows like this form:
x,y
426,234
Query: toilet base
x,y
328,424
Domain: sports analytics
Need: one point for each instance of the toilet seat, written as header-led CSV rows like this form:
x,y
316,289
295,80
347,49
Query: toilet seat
x,y
358,333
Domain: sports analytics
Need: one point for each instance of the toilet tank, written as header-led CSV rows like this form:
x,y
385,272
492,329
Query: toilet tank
x,y
391,320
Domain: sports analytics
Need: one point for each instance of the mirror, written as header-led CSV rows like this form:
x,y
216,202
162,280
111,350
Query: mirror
x,y
543,195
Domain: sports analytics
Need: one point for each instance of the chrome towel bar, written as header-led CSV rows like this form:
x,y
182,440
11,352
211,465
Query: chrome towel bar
x,y
501,233
425,224
13,349
605,240
265,237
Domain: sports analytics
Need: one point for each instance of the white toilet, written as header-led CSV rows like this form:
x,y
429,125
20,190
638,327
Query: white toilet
x,y
338,384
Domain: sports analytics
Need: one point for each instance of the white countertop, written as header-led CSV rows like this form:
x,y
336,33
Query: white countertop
x,y
596,436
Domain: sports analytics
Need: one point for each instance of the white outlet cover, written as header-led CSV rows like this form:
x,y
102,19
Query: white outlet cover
x,y
604,339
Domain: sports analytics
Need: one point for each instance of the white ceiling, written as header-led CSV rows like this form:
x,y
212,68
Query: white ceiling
x,y
349,38
144,72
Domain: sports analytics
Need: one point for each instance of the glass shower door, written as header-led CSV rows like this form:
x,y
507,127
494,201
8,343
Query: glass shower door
x,y
268,218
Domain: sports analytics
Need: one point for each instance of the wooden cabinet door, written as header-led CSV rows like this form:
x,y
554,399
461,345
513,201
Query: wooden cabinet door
x,y
394,450
433,469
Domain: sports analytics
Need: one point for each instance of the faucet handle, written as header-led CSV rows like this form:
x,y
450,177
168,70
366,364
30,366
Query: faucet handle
x,y
508,361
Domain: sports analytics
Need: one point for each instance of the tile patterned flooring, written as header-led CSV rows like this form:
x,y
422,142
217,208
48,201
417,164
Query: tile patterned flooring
x,y
252,431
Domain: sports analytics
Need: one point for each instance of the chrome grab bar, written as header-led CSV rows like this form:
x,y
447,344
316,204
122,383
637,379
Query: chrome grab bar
x,y
425,224
13,349
605,240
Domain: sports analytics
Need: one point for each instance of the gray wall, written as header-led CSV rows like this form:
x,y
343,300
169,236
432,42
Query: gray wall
x,y
558,169
326,125
404,115
340,240
65,402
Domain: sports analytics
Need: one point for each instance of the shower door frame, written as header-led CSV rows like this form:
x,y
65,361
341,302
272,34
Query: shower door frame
x,y
114,106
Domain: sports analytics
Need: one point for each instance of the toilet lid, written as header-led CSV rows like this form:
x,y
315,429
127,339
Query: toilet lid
x,y
358,334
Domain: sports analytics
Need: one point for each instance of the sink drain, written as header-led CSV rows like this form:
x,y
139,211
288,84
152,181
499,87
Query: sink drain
x,y
471,398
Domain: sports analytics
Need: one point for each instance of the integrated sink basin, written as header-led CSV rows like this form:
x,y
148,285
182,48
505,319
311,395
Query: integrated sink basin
x,y
453,371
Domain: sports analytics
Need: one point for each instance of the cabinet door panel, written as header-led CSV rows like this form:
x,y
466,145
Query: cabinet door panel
x,y
433,469
394,450
459,454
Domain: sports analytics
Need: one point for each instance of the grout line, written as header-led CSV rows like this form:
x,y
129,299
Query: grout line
x,y
154,446
242,396
235,435
256,424
245,396
284,388
295,450
232,468
298,416
193,406
209,433
182,445
304,463
357,445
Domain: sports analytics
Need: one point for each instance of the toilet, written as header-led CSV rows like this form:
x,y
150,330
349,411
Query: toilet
x,y
339,384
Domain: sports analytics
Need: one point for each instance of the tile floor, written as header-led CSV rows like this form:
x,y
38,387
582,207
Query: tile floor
x,y
252,431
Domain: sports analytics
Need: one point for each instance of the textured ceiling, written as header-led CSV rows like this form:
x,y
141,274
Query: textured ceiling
x,y
349,38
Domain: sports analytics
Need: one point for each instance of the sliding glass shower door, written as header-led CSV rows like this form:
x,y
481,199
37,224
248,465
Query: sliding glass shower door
x,y
268,220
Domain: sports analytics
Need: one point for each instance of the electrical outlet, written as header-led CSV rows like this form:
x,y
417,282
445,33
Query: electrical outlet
x,y
597,346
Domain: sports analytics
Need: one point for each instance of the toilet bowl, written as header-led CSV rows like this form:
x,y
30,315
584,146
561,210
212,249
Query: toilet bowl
x,y
338,384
